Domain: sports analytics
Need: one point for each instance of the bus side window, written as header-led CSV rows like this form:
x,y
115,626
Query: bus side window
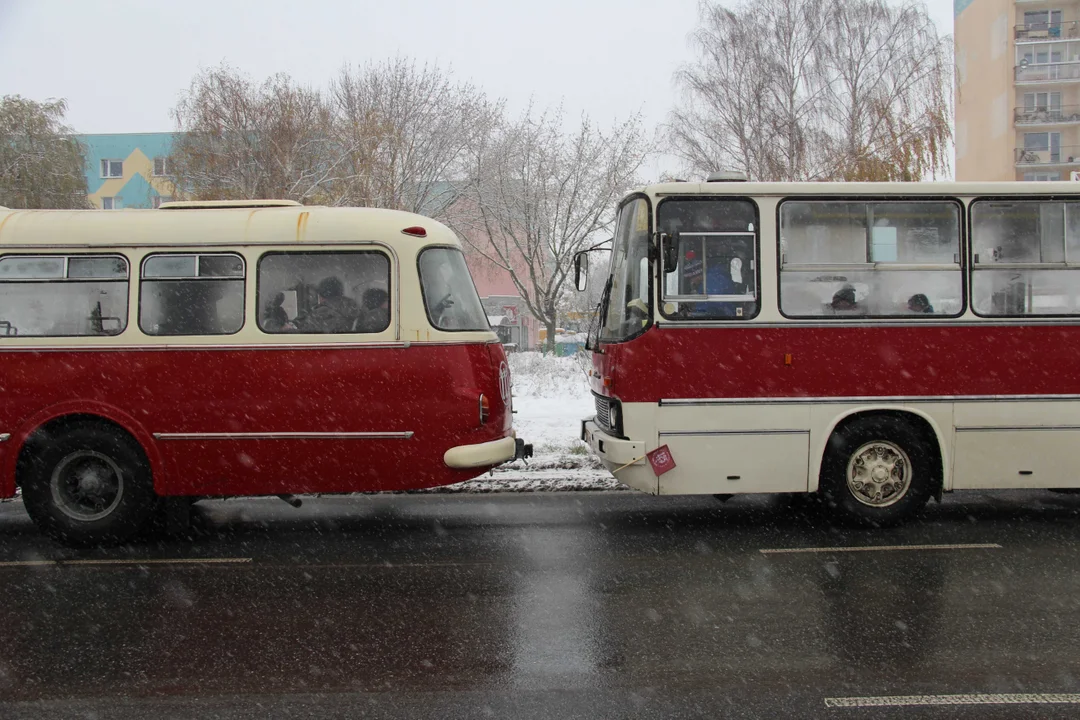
x,y
1025,255
323,292
63,296
191,294
875,258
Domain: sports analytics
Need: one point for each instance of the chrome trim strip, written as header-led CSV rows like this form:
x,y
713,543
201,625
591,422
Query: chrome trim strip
x,y
287,436
4,437
687,433
904,399
850,322
307,245
251,346
990,428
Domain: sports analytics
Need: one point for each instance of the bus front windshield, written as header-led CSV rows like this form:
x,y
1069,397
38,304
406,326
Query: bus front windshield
x,y
627,300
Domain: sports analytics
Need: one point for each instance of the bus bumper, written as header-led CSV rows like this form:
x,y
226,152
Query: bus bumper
x,y
613,451
486,454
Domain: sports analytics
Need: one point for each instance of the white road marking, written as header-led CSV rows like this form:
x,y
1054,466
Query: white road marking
x,y
973,699
165,561
869,548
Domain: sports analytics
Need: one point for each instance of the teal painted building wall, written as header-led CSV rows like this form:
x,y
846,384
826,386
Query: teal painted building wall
x,y
129,179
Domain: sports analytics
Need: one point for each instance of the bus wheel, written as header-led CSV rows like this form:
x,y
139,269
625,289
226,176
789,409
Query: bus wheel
x,y
88,485
877,471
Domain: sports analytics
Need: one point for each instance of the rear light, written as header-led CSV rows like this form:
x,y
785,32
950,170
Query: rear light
x,y
485,409
415,231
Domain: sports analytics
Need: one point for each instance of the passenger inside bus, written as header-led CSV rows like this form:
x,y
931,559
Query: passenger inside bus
x,y
375,316
844,302
334,311
276,318
919,303
186,308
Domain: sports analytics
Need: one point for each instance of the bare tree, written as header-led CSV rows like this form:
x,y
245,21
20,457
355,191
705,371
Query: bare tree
x,y
537,194
240,140
405,131
385,135
815,90
42,165
890,93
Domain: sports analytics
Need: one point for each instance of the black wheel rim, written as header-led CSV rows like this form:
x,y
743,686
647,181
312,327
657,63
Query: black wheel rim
x,y
86,485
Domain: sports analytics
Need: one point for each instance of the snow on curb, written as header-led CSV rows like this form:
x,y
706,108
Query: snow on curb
x,y
534,481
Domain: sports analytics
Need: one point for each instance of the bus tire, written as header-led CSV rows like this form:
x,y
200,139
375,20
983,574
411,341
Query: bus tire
x,y
88,485
877,471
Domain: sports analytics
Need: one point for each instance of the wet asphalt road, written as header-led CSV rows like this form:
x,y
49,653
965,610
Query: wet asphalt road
x,y
545,606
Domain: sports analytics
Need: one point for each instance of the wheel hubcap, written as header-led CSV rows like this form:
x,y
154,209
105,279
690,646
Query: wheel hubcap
x,y
879,474
86,485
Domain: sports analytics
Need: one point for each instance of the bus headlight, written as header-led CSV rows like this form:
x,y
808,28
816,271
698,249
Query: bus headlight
x,y
614,417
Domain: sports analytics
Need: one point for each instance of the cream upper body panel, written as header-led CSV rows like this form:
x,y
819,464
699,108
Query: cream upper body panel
x,y
785,189
250,232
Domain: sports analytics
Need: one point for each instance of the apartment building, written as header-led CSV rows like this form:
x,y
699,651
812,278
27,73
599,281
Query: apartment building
x,y
1017,89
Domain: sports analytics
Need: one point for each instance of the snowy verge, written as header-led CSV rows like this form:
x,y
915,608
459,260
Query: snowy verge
x,y
551,397
527,480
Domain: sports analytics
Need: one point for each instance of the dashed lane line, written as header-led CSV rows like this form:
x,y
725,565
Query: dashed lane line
x,y
970,699
872,548
158,561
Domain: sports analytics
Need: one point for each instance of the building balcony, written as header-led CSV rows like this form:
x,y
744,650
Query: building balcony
x,y
1048,73
1041,32
1063,156
1064,115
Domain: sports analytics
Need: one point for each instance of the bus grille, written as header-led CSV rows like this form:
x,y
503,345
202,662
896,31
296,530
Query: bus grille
x,y
603,412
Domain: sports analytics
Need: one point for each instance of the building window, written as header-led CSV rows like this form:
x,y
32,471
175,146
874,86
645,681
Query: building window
x,y
1048,20
186,294
1042,54
1042,101
1041,177
112,168
63,296
1044,147
110,203
161,166
158,199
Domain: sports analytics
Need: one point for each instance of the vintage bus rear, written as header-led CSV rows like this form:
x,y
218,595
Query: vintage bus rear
x,y
233,349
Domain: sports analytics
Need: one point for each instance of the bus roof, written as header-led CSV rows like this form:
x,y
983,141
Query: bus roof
x,y
202,226
784,189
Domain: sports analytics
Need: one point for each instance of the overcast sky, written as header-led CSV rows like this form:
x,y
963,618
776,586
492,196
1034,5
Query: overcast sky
x,y
121,63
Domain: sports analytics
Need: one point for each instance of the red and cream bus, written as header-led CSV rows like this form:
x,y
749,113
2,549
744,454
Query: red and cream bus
x,y
877,343
226,349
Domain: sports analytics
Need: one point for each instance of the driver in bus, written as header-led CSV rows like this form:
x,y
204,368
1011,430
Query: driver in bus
x,y
334,311
720,279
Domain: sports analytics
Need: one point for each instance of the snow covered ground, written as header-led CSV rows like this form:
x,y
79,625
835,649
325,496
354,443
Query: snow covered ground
x,y
551,397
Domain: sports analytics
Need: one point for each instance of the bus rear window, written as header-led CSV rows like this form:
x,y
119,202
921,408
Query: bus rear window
x,y
449,294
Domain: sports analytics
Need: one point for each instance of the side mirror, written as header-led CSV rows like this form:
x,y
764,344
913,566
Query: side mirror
x,y
581,270
669,247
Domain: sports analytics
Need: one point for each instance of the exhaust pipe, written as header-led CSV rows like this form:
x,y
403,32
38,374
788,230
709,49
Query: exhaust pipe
x,y
292,500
